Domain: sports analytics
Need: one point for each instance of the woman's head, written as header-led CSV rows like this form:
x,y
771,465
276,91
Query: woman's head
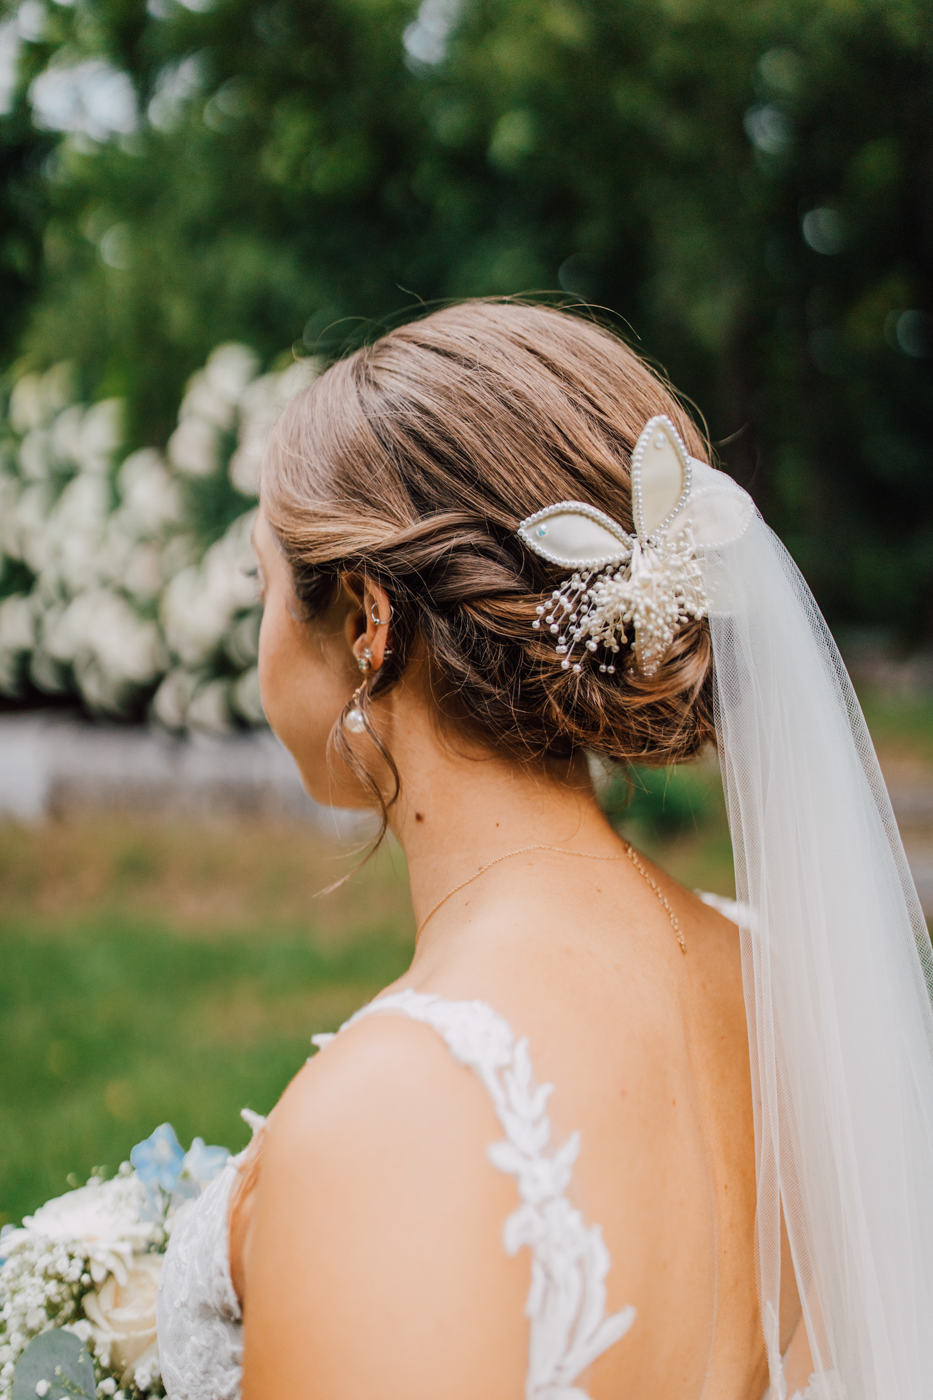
x,y
408,467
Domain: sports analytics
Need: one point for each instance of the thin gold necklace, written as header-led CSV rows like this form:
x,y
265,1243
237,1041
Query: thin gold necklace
x,y
561,850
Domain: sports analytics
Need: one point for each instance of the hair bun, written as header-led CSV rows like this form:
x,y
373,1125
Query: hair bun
x,y
414,460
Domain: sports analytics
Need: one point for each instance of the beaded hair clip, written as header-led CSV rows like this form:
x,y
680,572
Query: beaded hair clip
x,y
650,581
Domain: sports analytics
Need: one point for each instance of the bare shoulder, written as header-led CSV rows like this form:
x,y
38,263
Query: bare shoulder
x,y
376,1248
367,1092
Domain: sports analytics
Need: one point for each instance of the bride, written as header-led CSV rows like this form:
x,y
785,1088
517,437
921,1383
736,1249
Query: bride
x,y
600,1140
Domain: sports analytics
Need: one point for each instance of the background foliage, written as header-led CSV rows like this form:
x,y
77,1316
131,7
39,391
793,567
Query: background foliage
x,y
747,188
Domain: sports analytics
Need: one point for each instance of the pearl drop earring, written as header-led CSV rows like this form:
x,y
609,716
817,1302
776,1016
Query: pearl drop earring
x,y
354,720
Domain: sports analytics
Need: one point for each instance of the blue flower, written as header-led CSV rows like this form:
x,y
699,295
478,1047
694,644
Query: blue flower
x,y
159,1158
198,1170
202,1163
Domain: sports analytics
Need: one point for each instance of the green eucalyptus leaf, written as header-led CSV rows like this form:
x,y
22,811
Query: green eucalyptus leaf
x,y
62,1361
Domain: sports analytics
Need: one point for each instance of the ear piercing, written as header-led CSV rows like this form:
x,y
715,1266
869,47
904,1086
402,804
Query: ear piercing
x,y
354,721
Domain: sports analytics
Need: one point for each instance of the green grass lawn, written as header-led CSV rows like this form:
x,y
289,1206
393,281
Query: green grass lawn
x,y
154,971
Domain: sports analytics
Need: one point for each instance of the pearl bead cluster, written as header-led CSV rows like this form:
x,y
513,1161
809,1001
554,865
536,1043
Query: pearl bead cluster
x,y
655,593
571,616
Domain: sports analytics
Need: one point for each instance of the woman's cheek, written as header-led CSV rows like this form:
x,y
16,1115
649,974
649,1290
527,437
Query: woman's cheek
x,y
269,667
286,675
302,695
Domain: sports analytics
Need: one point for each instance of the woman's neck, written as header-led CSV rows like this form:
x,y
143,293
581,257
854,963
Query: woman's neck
x,y
461,807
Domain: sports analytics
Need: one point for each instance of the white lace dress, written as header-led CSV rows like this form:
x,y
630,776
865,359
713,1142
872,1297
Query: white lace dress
x,y
199,1320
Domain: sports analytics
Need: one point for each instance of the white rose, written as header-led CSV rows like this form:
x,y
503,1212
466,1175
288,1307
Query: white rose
x,y
124,1316
102,1219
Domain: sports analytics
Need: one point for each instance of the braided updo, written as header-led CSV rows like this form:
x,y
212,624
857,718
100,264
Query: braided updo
x,y
413,461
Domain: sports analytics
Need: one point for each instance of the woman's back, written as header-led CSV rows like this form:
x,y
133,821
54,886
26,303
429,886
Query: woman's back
x,y
647,1054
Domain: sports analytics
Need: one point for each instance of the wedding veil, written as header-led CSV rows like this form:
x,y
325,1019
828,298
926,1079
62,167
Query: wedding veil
x,y
837,969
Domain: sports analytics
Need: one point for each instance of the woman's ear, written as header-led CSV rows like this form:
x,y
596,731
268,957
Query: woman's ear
x,y
367,624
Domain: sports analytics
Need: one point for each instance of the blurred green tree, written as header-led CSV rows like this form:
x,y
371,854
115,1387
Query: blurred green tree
x,y
23,202
746,187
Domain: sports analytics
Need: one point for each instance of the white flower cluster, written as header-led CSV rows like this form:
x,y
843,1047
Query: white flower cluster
x,y
106,588
81,1264
89,1263
41,1286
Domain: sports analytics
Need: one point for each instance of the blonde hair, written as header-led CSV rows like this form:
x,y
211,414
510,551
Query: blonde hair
x,y
413,461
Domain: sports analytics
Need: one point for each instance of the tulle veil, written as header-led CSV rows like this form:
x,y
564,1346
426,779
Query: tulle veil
x,y
837,969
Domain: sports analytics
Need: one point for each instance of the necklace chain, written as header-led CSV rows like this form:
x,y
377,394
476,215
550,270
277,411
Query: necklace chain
x,y
561,850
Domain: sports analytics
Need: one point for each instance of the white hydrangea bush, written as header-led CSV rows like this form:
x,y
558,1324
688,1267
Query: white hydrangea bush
x,y
110,589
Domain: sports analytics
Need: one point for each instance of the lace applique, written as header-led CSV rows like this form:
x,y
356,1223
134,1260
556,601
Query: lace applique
x,y
198,1316
566,1304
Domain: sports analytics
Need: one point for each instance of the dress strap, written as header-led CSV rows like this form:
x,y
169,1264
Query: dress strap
x,y
567,1301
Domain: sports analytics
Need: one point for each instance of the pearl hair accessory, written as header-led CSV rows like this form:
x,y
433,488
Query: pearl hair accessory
x,y
650,580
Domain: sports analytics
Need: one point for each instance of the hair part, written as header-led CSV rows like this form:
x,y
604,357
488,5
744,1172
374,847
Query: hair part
x,y
413,461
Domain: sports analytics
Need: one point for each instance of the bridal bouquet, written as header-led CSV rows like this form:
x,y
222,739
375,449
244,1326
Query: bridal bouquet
x,y
78,1279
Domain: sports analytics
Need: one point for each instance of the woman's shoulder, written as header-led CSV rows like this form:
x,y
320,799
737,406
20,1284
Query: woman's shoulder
x,y
375,1201
388,1105
379,1070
